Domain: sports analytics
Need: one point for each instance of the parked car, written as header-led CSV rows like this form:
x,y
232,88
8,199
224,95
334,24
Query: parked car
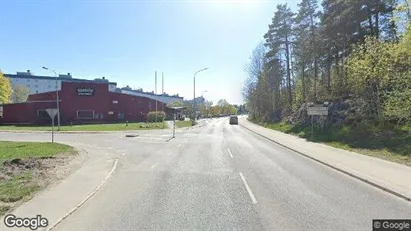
x,y
233,119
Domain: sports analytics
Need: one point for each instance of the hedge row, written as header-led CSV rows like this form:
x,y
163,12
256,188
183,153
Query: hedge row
x,y
156,116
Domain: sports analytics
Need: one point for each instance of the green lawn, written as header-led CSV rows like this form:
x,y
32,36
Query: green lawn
x,y
18,187
23,150
186,123
92,127
392,143
23,184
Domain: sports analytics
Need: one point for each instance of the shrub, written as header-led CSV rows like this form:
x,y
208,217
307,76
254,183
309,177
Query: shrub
x,y
156,116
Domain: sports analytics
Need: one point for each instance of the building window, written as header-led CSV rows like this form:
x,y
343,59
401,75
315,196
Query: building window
x,y
85,114
115,101
36,86
120,115
1,111
37,92
43,114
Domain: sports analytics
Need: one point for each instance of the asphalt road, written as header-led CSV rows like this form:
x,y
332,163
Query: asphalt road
x,y
223,177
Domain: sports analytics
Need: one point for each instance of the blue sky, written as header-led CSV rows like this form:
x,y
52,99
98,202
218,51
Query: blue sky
x,y
127,41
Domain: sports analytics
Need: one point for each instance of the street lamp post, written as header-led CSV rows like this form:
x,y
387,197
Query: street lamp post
x,y
194,100
57,98
202,96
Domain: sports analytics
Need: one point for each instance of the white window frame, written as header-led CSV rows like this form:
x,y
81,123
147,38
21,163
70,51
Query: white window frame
x,y
85,118
38,112
115,101
1,111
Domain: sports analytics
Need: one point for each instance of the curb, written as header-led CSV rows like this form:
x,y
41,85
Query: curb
x,y
335,168
86,199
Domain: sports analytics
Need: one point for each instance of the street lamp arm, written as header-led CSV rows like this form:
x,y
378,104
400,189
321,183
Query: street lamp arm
x,y
55,73
200,71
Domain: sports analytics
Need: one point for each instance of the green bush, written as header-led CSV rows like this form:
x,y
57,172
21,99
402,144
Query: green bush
x,y
156,116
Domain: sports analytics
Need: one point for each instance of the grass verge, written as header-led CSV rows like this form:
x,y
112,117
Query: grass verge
x,y
388,142
19,180
18,187
182,124
24,150
92,127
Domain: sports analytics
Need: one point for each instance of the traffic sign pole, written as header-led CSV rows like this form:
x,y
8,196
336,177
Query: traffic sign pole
x,y
174,126
52,113
312,125
52,130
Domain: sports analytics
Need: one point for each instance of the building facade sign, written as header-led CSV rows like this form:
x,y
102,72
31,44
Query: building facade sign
x,y
85,91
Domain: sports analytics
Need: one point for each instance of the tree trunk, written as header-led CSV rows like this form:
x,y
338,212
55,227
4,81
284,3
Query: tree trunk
x,y
370,23
329,64
287,55
315,56
303,81
377,23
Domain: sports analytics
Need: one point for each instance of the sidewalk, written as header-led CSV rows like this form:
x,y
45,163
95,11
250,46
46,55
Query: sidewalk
x,y
57,201
391,177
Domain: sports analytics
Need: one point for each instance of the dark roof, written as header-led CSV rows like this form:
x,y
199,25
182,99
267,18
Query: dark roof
x,y
150,93
66,79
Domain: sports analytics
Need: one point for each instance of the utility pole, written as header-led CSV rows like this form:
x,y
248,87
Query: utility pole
x,y
156,95
162,89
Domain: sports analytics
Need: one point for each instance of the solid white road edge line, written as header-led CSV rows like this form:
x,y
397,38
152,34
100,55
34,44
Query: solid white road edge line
x,y
86,199
230,153
248,189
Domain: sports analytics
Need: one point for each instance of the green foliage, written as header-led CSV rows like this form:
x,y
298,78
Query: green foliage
x,y
156,116
20,94
340,54
354,54
5,89
182,124
151,125
397,106
370,71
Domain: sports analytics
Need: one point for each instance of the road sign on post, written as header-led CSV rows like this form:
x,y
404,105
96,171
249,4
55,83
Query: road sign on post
x,y
52,113
316,110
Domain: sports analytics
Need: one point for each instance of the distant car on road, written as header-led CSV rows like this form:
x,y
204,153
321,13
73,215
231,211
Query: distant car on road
x,y
233,119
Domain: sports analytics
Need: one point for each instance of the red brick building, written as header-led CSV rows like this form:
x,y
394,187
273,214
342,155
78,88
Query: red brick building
x,y
88,102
